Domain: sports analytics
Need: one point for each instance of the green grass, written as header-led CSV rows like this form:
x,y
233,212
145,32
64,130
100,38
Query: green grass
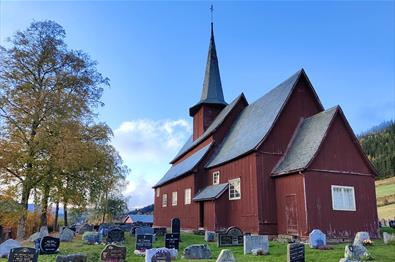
x,y
277,251
385,190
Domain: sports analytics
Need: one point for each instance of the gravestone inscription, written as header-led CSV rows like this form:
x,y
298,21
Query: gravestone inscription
x,y
295,252
144,242
158,255
49,245
232,237
115,235
113,253
172,241
23,254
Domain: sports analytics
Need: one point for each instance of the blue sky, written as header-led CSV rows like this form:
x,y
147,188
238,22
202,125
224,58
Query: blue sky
x,y
154,54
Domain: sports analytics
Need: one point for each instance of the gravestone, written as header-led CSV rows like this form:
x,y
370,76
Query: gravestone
x,y
226,255
356,252
175,226
317,239
232,237
84,228
49,245
360,237
66,235
388,237
295,252
115,235
144,231
125,227
160,254
197,252
144,242
160,231
103,229
256,242
72,258
172,241
210,236
23,254
7,245
113,253
91,238
39,235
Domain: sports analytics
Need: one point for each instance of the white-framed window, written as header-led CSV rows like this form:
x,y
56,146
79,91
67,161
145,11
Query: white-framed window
x,y
216,178
187,199
158,192
164,200
174,198
343,198
234,189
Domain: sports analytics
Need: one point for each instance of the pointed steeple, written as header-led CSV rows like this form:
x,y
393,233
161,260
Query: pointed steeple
x,y
212,87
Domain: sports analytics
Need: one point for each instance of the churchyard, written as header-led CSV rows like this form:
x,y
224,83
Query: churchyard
x,y
86,244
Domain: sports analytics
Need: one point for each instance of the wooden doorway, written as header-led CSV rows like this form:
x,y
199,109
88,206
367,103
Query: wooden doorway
x,y
291,214
201,214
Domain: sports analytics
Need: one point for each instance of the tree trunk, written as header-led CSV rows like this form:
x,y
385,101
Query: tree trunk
x,y
44,205
105,208
65,214
24,206
55,224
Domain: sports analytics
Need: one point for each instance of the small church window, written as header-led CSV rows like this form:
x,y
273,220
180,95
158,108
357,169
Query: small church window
x,y
158,192
343,198
174,199
216,178
187,196
234,189
164,200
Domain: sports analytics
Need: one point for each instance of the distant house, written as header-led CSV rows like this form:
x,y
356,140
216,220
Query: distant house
x,y
280,165
139,218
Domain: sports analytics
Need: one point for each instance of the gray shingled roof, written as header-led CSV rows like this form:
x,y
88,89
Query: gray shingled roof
x,y
217,122
306,142
211,192
184,166
254,122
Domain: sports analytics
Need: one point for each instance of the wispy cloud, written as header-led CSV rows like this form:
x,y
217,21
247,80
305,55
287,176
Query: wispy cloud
x,y
147,146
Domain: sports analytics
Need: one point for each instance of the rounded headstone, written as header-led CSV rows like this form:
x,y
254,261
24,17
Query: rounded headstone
x,y
317,239
7,245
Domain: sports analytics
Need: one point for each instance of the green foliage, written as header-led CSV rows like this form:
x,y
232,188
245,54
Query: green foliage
x,y
379,146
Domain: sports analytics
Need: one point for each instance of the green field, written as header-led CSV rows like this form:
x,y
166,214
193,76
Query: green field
x,y
277,251
385,194
385,190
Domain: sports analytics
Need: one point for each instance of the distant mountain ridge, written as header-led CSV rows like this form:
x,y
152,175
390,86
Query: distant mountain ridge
x,y
148,210
379,145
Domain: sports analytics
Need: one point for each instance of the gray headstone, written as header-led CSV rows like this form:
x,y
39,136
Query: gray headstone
x,y
210,236
226,255
232,237
388,237
7,245
317,239
66,235
144,231
91,237
72,258
356,252
197,252
360,237
23,254
160,254
256,242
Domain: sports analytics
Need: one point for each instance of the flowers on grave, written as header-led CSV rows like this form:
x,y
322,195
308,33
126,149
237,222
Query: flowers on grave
x,y
367,242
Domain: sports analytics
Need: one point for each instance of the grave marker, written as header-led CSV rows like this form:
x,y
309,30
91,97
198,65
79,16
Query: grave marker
x,y
23,254
49,245
172,241
256,242
115,235
113,253
232,237
295,252
175,226
144,242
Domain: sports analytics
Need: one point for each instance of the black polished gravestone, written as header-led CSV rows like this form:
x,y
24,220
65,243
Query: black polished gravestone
x,y
115,235
49,245
232,237
144,242
172,241
295,252
113,253
175,226
23,254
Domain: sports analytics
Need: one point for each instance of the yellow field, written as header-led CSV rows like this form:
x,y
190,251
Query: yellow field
x,y
385,193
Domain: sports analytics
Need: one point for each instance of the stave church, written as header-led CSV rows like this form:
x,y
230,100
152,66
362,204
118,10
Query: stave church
x,y
280,165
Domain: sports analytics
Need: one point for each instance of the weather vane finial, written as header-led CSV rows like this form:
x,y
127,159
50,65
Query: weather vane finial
x,y
212,11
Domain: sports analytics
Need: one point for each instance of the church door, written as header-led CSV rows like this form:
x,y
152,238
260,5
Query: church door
x,y
291,214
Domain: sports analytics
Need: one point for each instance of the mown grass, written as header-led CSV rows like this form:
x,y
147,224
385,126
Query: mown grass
x,y
277,251
385,190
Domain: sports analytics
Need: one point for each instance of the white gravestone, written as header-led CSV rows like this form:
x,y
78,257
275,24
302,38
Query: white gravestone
x,y
256,242
317,239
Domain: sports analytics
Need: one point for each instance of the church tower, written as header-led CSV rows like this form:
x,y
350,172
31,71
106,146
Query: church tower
x,y
212,98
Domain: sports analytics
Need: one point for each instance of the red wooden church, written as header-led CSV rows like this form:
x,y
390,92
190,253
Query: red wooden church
x,y
280,165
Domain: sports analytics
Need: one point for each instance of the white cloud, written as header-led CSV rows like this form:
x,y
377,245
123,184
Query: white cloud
x,y
147,146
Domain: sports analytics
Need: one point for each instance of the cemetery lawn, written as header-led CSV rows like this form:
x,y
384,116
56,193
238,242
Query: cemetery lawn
x,y
277,251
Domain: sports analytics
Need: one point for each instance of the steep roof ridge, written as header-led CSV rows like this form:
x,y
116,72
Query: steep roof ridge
x,y
222,116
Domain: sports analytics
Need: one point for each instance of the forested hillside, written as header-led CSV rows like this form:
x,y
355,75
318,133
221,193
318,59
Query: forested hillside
x,y
379,145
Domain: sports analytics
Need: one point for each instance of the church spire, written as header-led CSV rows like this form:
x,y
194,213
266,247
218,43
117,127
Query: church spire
x,y
212,87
